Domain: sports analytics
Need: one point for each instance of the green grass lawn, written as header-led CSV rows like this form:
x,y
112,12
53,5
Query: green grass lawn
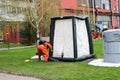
x,y
12,61
6,45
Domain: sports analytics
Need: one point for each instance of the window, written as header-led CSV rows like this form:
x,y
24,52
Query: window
x,y
108,4
91,3
106,20
98,4
103,4
115,8
82,3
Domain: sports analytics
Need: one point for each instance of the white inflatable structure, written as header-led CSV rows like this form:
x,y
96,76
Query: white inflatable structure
x,y
71,38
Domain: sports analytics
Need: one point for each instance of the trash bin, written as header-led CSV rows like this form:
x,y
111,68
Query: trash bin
x,y
111,45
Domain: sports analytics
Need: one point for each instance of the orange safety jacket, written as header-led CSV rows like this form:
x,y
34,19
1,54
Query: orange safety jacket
x,y
94,36
48,46
42,50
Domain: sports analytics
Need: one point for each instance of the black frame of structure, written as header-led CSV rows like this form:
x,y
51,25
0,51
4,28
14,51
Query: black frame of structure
x,y
52,29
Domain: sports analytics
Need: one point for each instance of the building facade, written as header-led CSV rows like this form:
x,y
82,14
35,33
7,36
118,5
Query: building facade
x,y
11,19
101,12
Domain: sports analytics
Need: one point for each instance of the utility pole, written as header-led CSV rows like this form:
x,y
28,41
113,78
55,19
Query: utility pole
x,y
88,6
93,5
83,5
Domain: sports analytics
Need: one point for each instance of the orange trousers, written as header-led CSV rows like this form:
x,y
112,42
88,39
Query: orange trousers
x,y
42,50
94,36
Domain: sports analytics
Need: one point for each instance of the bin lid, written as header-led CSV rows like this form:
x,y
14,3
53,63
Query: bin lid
x,y
112,35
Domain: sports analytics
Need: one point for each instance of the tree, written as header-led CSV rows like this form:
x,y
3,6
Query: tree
x,y
39,11
28,33
53,10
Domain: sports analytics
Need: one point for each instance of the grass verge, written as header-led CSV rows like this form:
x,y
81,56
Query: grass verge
x,y
12,61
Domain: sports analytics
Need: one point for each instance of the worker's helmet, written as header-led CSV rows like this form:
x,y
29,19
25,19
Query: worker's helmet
x,y
42,41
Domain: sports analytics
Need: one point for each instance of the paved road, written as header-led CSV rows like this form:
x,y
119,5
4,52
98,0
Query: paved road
x,y
5,76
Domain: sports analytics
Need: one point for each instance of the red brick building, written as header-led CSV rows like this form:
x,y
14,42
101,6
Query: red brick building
x,y
105,12
10,33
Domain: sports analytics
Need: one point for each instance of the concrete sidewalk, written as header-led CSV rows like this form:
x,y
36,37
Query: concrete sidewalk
x,y
17,47
5,76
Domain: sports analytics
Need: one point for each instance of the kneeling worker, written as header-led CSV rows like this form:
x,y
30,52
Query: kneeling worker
x,y
43,50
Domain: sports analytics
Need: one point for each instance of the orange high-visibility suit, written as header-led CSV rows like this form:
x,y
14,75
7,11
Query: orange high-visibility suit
x,y
98,35
94,36
43,50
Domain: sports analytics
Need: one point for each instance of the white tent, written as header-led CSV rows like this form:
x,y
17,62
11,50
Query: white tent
x,y
71,38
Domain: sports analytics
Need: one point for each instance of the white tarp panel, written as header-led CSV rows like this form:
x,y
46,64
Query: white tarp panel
x,y
82,38
63,39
